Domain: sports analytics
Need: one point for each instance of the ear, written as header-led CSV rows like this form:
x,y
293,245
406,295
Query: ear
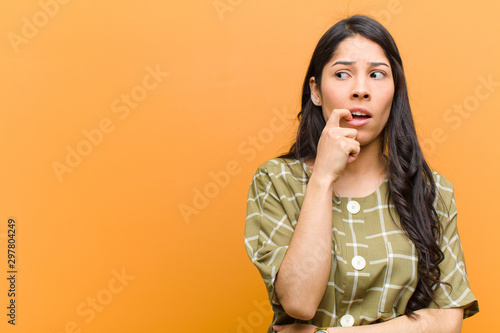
x,y
315,93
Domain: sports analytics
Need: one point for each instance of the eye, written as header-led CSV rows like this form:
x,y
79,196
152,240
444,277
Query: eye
x,y
342,75
378,75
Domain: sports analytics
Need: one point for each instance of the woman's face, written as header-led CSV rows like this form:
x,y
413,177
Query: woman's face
x,y
358,78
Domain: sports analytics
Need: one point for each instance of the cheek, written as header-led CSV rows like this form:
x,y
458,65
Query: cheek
x,y
333,97
331,100
387,97
385,100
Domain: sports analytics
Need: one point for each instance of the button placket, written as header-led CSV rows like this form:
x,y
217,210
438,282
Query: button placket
x,y
347,320
355,240
353,207
358,262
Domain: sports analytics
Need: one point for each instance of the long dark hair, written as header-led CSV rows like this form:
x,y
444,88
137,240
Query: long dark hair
x,y
410,182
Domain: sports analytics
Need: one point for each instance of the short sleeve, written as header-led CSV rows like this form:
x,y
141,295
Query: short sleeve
x,y
455,290
268,229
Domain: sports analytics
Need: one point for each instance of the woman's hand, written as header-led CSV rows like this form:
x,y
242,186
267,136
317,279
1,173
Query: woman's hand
x,y
294,328
304,273
337,146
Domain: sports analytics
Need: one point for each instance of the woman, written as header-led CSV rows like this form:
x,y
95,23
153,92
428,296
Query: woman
x,y
351,230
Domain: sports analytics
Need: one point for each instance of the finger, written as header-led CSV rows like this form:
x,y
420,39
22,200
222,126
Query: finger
x,y
350,133
348,146
339,132
354,152
277,328
338,114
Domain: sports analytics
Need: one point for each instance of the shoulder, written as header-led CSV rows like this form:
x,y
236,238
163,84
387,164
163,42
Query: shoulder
x,y
442,182
443,185
278,165
283,170
282,174
445,194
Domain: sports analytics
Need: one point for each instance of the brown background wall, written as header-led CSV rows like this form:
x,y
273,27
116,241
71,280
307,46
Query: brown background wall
x,y
130,132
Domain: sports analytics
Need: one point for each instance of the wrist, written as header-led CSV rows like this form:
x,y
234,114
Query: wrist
x,y
322,183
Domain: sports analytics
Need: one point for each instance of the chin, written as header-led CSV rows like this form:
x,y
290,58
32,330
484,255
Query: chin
x,y
368,141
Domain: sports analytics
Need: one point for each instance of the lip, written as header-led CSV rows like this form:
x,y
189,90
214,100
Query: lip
x,y
365,111
359,122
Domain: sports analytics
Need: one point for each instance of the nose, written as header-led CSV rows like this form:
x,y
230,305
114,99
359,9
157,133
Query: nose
x,y
360,90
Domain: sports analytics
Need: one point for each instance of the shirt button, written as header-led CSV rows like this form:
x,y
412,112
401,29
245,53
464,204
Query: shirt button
x,y
358,262
353,207
347,320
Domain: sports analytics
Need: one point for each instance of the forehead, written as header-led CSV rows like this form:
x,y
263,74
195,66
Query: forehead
x,y
359,48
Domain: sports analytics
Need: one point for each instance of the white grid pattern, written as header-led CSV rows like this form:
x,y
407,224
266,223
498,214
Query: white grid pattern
x,y
383,287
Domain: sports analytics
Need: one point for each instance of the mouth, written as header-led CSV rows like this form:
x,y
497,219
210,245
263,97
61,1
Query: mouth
x,y
360,117
360,113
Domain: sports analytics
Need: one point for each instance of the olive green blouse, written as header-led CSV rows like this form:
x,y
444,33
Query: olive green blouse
x,y
374,264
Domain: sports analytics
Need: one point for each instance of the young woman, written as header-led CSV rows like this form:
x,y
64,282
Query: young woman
x,y
351,230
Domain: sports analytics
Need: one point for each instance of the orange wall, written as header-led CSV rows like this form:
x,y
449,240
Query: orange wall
x,y
116,115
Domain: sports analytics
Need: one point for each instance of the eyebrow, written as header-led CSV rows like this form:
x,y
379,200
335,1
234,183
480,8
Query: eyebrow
x,y
353,62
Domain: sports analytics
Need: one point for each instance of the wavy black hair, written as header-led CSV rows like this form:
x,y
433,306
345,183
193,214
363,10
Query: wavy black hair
x,y
410,183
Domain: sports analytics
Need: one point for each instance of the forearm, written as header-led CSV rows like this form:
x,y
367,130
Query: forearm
x,y
428,321
305,270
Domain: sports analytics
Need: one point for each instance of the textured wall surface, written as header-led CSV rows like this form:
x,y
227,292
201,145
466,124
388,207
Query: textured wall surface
x,y
130,132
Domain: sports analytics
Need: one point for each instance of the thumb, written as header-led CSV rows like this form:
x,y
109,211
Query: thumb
x,y
277,328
